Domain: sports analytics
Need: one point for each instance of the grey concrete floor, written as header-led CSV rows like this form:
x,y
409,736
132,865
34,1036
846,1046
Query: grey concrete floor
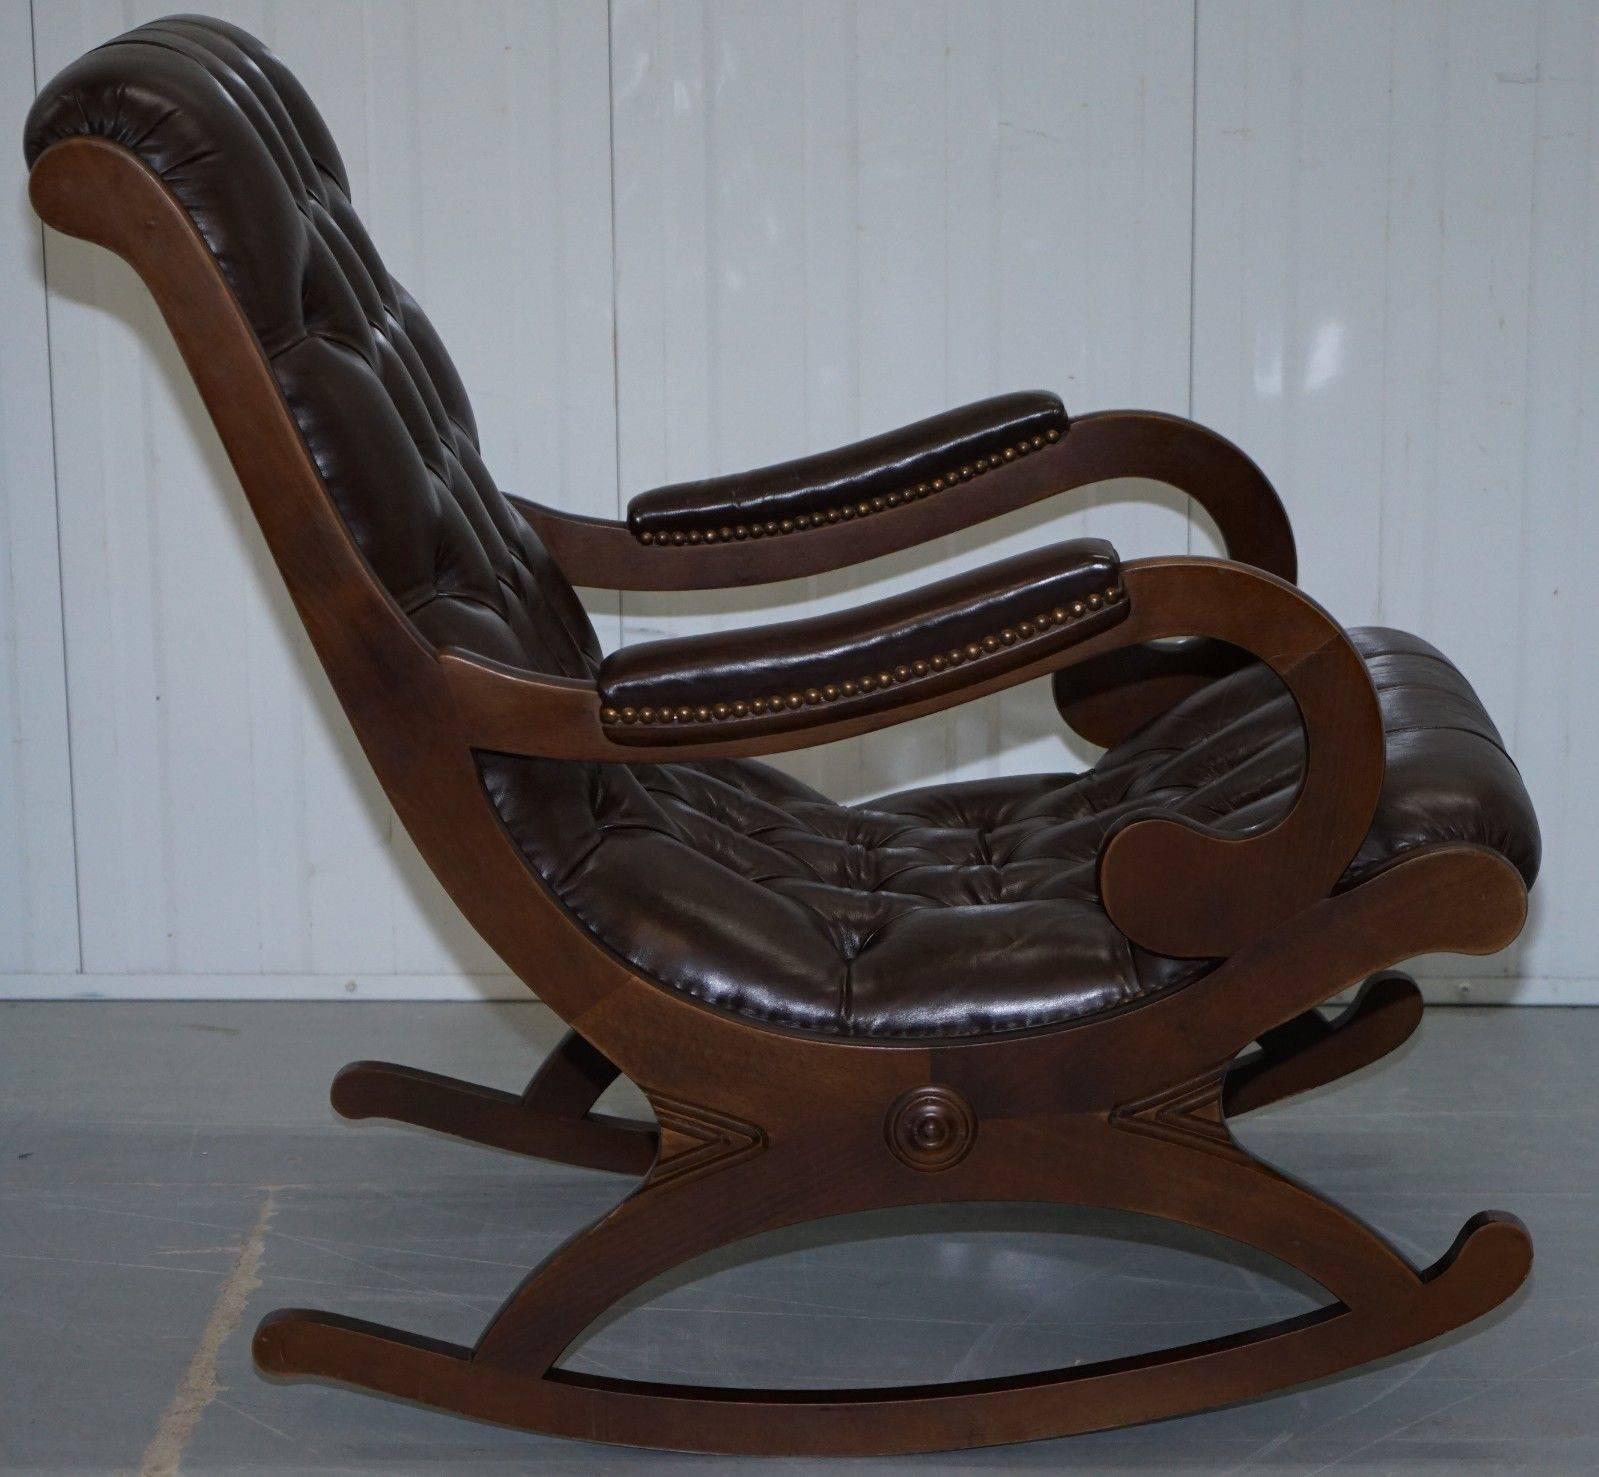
x,y
168,1173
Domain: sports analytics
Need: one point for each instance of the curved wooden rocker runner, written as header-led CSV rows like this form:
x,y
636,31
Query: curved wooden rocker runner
x,y
443,615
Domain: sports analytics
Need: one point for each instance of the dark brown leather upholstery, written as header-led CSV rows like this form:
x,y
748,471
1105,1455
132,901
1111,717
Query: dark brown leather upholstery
x,y
927,640
852,480
971,908
954,910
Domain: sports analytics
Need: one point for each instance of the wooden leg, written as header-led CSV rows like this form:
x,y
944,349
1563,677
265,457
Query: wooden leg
x,y
549,1120
1198,1178
1311,1051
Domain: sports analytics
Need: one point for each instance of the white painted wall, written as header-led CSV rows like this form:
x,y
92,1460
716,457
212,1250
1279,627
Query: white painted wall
x,y
1363,239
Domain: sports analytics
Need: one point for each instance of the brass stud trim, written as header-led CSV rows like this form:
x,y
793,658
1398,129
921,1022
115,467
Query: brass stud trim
x,y
1009,641
803,522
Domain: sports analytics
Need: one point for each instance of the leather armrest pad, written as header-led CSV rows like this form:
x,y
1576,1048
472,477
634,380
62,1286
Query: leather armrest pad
x,y
923,643
854,480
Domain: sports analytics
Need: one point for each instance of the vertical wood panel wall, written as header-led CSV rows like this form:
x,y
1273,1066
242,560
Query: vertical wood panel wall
x,y
38,885
667,238
1397,311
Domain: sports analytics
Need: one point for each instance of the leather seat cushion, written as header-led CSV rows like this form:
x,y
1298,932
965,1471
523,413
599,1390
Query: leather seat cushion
x,y
968,909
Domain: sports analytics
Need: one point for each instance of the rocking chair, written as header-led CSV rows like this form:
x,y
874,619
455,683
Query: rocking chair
x,y
1053,988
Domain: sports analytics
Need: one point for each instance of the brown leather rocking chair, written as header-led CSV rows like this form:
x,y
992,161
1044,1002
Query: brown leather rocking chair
x,y
1055,988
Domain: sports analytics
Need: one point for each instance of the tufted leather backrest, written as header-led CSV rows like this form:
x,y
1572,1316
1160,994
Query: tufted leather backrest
x,y
236,139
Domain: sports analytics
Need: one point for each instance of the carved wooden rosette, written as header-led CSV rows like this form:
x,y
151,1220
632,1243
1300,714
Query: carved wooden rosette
x,y
930,1128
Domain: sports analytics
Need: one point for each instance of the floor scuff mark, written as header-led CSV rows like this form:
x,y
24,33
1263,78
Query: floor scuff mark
x,y
198,1387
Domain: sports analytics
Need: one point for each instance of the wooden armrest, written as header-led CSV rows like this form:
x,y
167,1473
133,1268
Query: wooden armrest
x,y
787,686
607,554
852,482
798,674
1174,886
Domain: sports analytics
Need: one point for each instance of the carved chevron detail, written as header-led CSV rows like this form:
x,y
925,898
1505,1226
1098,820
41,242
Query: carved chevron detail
x,y
1190,1113
694,1140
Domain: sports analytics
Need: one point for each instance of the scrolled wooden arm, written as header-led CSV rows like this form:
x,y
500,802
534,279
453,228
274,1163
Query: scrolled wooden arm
x,y
1185,890
509,711
781,687
606,554
849,483
885,653
1171,885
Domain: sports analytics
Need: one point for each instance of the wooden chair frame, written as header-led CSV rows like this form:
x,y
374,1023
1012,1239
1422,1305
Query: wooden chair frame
x,y
760,1127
